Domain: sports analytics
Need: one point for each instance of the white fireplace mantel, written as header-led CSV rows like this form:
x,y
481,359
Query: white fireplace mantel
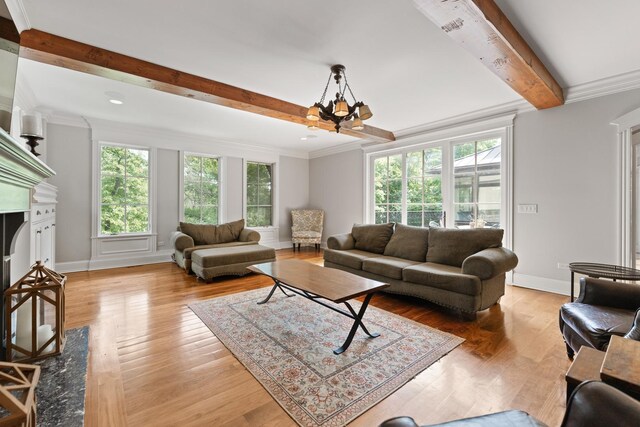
x,y
20,171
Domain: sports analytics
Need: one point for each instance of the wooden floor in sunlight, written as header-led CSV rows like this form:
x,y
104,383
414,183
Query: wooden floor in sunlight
x,y
154,363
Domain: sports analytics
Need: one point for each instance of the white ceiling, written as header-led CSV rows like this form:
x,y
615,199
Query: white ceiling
x,y
398,62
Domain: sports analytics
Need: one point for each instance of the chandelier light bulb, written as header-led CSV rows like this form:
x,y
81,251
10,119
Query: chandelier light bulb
x,y
313,113
365,112
357,123
341,108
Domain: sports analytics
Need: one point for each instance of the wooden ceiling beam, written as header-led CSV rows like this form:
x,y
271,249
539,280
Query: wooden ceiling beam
x,y
8,30
484,30
54,50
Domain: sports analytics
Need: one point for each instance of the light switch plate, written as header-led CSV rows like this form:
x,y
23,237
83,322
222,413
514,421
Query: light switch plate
x,y
528,208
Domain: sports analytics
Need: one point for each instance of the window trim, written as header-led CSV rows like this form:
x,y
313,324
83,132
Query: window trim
x,y
275,194
96,217
499,126
222,164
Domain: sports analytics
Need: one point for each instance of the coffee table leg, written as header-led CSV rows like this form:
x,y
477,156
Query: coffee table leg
x,y
276,285
357,322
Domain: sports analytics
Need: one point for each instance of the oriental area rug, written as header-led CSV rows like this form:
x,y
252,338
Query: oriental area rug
x,y
287,344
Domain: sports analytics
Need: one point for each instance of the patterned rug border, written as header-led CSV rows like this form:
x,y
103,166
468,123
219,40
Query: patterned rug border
x,y
356,408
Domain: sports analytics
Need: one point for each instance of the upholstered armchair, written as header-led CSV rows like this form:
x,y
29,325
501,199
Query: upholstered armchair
x,y
603,308
306,227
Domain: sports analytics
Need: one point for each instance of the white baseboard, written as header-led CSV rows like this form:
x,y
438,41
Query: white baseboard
x,y
289,245
555,286
101,264
70,267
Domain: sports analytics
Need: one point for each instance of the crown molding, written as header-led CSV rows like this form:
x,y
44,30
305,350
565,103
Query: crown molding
x,y
104,130
603,87
65,120
18,14
341,148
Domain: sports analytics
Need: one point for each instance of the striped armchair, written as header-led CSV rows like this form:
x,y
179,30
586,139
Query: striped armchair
x,y
306,227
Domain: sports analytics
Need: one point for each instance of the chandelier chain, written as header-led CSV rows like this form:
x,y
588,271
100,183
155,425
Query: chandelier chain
x,y
346,83
326,88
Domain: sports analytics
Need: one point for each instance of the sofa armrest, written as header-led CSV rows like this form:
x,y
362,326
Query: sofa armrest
x,y
180,241
609,293
341,242
247,235
490,263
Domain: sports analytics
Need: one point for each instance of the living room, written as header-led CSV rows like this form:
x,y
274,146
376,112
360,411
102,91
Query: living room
x,y
564,182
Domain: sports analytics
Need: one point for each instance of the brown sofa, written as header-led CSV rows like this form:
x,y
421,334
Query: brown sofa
x,y
460,269
216,250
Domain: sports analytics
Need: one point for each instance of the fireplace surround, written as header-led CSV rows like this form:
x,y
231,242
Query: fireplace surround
x,y
20,171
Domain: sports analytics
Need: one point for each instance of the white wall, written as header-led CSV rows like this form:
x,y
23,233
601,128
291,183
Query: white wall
x,y
335,185
69,155
293,177
565,160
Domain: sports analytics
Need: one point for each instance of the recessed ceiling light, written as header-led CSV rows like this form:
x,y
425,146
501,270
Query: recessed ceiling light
x,y
115,97
304,138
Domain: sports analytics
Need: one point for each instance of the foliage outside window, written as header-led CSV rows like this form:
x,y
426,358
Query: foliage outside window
x,y
201,189
424,187
477,194
259,194
415,193
124,192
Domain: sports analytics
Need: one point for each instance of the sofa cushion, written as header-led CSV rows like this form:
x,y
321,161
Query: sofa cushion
x,y
408,242
186,254
306,234
452,246
442,277
350,258
387,266
372,237
207,234
220,256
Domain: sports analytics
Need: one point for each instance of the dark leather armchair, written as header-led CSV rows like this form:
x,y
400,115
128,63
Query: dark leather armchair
x,y
603,308
592,404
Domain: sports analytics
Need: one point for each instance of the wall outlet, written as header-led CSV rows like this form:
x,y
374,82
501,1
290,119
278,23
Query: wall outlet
x,y
563,266
528,208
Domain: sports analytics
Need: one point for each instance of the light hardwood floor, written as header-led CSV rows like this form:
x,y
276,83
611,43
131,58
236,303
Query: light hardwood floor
x,y
152,362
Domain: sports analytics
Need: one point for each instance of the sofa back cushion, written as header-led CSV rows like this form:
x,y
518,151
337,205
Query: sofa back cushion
x,y
372,237
409,243
452,246
207,234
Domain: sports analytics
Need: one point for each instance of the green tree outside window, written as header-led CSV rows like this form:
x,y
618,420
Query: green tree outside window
x,y
124,192
201,189
259,194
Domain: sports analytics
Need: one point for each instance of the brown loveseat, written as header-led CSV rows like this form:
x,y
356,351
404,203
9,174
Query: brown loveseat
x,y
460,269
193,237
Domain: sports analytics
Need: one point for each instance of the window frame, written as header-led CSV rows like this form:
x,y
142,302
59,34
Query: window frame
x,y
274,192
97,193
501,127
221,183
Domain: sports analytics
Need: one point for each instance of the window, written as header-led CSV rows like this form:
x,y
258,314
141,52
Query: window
x,y
259,194
124,190
476,171
420,187
201,189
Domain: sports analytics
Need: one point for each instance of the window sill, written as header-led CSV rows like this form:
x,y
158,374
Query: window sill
x,y
123,236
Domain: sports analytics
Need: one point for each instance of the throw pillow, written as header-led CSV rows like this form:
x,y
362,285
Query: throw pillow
x,y
372,237
452,246
408,242
207,234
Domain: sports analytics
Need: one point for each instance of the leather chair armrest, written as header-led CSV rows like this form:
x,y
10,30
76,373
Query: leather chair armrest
x,y
341,242
399,422
609,293
596,403
247,235
490,263
634,333
180,241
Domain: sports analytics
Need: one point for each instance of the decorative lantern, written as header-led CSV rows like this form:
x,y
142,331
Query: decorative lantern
x,y
17,394
34,310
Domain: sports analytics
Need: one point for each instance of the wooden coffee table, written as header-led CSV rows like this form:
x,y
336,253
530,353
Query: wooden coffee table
x,y
319,283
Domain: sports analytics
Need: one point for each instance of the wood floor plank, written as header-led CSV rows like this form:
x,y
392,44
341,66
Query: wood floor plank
x,y
153,362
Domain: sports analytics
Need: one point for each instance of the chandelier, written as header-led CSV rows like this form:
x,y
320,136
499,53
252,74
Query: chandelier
x,y
338,110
